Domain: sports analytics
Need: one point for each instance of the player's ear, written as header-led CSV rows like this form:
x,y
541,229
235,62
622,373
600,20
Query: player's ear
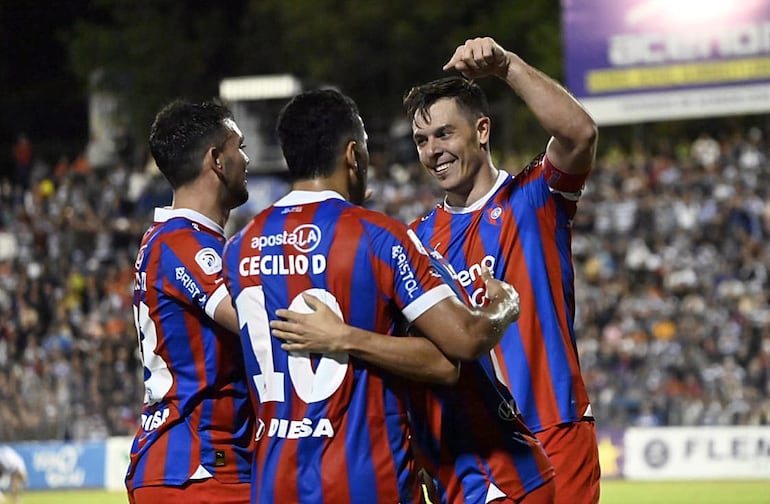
x,y
213,160
483,126
351,158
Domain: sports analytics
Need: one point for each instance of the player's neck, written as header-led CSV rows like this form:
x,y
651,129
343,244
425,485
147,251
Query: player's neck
x,y
334,183
202,202
479,187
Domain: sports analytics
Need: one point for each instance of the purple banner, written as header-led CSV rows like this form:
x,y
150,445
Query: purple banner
x,y
641,60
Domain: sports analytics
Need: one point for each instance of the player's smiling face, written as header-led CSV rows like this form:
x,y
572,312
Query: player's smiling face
x,y
450,145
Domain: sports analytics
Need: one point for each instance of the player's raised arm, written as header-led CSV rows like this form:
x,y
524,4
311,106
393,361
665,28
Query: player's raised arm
x,y
572,148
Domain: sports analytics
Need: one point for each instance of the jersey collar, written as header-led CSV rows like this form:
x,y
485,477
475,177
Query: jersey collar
x,y
163,214
305,197
502,176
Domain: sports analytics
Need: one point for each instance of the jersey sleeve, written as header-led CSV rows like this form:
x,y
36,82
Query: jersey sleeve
x,y
193,269
417,285
541,182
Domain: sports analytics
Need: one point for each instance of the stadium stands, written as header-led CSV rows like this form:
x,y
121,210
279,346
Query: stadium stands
x,y
671,253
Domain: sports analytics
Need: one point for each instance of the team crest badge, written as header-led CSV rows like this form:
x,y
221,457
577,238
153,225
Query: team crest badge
x,y
493,215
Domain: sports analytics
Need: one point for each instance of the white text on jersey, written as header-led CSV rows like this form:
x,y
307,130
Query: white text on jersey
x,y
282,265
304,238
152,422
295,429
405,270
467,277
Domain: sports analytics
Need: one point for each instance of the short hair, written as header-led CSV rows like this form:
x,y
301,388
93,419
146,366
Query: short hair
x,y
180,135
469,97
312,128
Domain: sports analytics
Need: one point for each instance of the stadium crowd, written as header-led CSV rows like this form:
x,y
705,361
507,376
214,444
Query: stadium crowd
x,y
671,254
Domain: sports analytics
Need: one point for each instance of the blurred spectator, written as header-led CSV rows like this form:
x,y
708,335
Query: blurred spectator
x,y
22,158
673,319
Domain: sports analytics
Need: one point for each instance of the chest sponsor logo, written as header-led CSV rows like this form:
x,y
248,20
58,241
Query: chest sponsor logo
x,y
469,276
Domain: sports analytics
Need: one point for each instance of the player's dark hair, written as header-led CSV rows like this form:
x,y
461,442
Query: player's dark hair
x,y
180,135
313,127
469,97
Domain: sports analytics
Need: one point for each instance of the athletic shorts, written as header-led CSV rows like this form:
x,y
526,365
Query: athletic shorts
x,y
208,490
574,453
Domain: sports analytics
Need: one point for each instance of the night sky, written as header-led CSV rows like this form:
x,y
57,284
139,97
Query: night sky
x,y
39,95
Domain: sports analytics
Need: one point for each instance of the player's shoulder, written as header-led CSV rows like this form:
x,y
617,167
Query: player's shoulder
x,y
426,218
181,228
532,169
369,217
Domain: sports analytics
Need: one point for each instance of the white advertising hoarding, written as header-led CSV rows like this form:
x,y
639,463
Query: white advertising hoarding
x,y
676,453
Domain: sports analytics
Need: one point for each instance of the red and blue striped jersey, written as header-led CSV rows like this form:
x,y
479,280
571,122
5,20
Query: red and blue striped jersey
x,y
470,436
522,231
331,428
196,420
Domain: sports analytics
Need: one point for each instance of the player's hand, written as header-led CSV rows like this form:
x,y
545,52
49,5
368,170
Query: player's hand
x,y
478,58
504,295
320,331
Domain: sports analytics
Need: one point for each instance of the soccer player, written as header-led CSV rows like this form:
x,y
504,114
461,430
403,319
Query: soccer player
x,y
519,227
332,428
13,474
468,436
195,439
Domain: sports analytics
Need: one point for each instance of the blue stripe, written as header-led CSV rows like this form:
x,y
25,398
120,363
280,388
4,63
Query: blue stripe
x,y
179,352
362,476
532,246
141,464
366,291
179,453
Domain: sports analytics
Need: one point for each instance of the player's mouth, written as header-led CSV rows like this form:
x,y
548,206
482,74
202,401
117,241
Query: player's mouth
x,y
442,168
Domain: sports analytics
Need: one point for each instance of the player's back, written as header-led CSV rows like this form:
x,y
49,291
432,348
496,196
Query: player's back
x,y
196,419
331,428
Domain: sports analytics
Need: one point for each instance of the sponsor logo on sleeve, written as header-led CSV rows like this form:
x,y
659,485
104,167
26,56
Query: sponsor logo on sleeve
x,y
209,261
405,270
189,284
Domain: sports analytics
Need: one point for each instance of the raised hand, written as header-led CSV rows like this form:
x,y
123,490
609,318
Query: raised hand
x,y
479,57
504,296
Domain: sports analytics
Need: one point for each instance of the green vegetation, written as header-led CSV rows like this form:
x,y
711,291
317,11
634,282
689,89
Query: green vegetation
x,y
685,492
75,497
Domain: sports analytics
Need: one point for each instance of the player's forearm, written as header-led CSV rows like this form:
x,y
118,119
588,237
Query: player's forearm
x,y
467,334
415,358
574,132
